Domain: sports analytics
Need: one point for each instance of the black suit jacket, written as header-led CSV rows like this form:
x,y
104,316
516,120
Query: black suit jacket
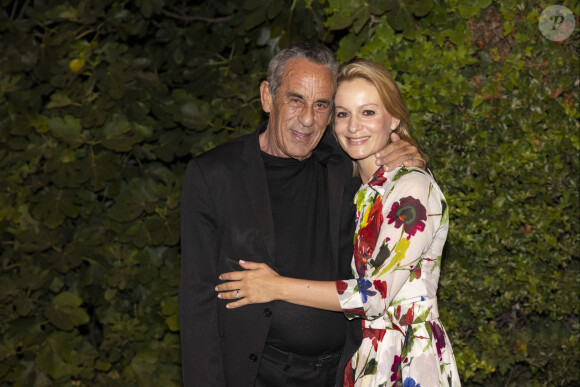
x,y
226,216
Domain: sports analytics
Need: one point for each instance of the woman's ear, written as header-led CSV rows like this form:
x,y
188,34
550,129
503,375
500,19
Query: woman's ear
x,y
395,123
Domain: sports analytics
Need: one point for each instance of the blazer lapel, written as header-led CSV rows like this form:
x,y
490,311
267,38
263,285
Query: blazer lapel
x,y
254,177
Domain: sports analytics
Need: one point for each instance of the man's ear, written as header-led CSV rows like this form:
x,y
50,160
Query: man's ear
x,y
266,97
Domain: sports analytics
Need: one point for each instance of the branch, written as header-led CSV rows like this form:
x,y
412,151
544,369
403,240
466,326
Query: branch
x,y
15,7
208,20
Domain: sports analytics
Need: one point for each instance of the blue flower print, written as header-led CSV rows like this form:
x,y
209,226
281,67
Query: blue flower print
x,y
410,382
363,288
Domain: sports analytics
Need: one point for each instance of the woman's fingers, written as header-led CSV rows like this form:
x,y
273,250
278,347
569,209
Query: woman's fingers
x,y
233,276
249,265
227,286
237,304
230,295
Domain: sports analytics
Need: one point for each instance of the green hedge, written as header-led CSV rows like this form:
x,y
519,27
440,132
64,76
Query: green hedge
x,y
102,103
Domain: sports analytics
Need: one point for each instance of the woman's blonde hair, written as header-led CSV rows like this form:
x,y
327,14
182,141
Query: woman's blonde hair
x,y
388,90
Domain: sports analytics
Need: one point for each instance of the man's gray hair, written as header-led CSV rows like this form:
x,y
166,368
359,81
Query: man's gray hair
x,y
316,53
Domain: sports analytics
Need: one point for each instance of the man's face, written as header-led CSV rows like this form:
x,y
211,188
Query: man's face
x,y
301,111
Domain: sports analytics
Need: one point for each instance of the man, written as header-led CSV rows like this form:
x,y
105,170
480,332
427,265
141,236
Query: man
x,y
279,197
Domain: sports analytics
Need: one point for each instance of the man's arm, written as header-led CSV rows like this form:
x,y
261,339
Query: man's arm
x,y
200,345
397,153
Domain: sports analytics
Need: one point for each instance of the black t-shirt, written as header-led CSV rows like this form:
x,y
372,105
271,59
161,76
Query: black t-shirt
x,y
299,201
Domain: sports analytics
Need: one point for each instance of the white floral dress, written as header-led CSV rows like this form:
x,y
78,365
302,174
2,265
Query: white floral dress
x,y
401,227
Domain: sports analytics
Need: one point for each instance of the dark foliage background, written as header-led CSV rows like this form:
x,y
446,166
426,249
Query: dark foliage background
x,y
103,102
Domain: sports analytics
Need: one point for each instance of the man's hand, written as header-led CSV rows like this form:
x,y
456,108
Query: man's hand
x,y
397,153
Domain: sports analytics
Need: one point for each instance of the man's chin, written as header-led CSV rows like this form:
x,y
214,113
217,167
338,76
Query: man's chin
x,y
301,155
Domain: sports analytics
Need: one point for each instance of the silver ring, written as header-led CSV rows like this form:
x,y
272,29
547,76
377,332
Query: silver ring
x,y
238,293
409,156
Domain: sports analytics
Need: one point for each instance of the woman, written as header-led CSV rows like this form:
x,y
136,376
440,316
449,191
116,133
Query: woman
x,y
401,227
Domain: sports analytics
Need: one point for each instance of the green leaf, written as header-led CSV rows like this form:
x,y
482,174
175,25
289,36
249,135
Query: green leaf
x,y
255,18
103,167
62,12
66,300
170,310
274,8
470,9
421,8
65,312
53,205
378,7
63,354
362,17
399,18
67,128
142,366
58,100
350,45
116,126
133,200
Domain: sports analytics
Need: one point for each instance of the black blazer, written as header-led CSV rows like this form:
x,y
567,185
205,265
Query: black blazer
x,y
226,216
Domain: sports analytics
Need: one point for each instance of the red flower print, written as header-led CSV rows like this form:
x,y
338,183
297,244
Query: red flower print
x,y
381,286
396,369
367,237
407,318
341,287
375,219
409,213
348,375
375,335
415,272
439,337
378,178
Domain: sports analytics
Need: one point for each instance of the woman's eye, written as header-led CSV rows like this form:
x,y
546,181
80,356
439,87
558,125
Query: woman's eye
x,y
369,112
340,115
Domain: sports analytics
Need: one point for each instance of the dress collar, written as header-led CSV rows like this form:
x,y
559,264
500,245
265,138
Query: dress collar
x,y
378,180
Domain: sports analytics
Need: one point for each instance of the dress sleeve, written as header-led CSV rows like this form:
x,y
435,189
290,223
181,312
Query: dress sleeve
x,y
412,213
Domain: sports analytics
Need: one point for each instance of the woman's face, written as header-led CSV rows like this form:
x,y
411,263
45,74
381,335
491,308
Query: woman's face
x,y
362,123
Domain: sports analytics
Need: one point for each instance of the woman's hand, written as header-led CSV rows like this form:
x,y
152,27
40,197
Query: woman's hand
x,y
255,285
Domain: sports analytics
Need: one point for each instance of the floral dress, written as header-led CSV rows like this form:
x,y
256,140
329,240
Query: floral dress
x,y
401,227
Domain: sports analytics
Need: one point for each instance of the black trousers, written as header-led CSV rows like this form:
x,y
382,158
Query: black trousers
x,y
282,369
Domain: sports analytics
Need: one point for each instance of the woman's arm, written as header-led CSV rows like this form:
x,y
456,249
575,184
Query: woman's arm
x,y
409,214
258,283
399,248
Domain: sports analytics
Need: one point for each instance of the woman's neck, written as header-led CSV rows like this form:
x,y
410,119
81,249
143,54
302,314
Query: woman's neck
x,y
367,168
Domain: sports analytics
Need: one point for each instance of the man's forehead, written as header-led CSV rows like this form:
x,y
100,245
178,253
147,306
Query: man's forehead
x,y
307,75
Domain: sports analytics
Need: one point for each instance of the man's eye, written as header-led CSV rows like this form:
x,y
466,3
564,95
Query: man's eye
x,y
321,106
295,102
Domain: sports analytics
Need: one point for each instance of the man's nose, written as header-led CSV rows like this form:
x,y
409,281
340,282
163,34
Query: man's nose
x,y
306,117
